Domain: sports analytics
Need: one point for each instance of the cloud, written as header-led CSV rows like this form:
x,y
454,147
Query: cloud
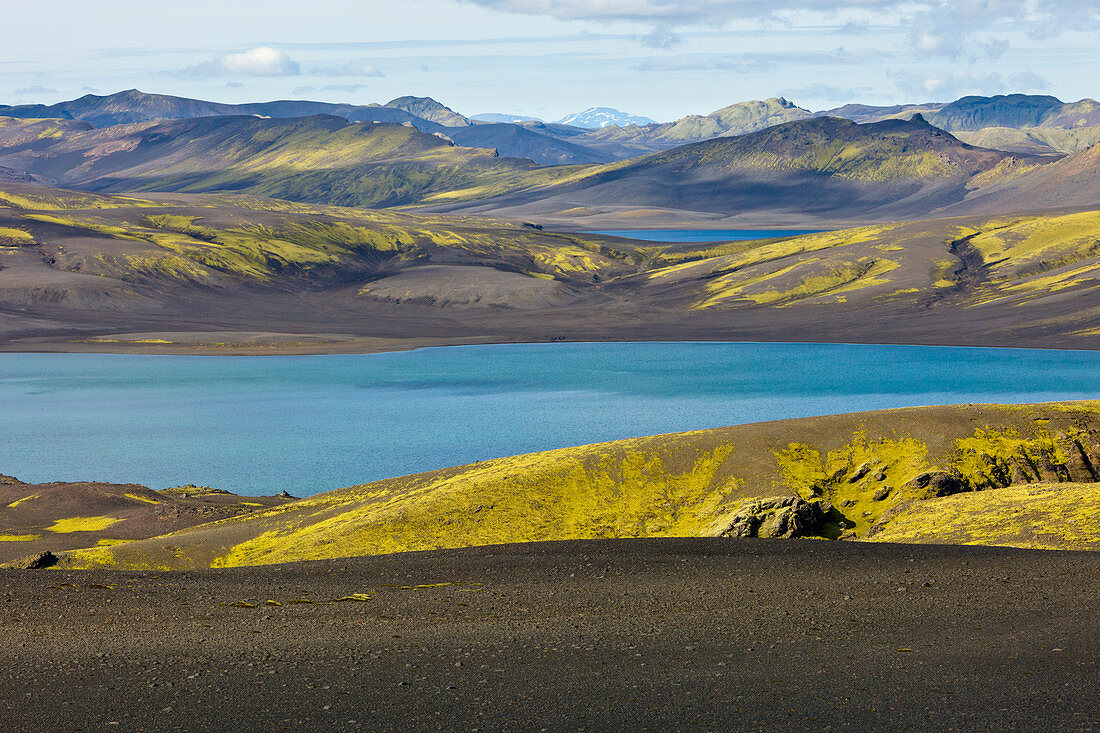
x,y
826,93
952,28
350,70
745,63
234,85
343,87
262,61
303,90
661,37
674,12
945,86
34,89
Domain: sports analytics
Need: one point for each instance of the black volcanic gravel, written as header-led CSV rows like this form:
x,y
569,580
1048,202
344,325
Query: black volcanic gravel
x,y
630,635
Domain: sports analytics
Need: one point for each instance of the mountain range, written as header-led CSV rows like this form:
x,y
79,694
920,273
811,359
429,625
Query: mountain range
x,y
816,169
1015,123
812,168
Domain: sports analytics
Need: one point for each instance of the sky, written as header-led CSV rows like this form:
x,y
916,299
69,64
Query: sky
x,y
547,58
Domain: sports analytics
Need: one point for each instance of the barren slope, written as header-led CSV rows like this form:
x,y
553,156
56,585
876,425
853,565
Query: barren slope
x,y
80,268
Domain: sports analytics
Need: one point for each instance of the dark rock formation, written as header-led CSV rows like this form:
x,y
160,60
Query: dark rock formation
x,y
860,472
781,516
938,483
33,562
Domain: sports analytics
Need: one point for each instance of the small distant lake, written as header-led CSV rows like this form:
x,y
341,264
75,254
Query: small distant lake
x,y
259,425
704,235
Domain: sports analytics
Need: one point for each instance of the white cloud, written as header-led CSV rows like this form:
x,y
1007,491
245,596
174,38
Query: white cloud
x,y
746,63
349,70
34,89
674,12
343,87
945,86
953,28
661,37
262,61
825,93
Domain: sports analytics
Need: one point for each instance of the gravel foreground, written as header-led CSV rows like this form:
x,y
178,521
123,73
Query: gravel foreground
x,y
631,635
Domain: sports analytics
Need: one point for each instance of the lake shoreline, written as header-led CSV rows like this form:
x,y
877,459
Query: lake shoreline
x,y
263,343
163,421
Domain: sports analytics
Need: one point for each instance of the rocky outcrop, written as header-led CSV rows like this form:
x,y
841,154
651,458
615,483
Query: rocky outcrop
x,y
938,483
781,516
32,562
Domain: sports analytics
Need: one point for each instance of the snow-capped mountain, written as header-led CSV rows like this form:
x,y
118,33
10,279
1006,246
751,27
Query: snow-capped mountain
x,y
595,117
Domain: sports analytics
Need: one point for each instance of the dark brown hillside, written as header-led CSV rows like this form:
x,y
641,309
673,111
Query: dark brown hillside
x,y
1073,181
62,516
823,167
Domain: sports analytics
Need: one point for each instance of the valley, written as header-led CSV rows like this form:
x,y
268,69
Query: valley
x,y
484,365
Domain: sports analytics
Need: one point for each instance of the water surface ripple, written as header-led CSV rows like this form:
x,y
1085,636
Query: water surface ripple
x,y
259,425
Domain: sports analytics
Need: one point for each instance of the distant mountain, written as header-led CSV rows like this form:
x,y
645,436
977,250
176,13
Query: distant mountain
x,y
313,159
1015,111
1016,123
597,117
1021,123
1034,140
428,109
809,164
519,142
864,113
134,106
496,117
826,167
736,119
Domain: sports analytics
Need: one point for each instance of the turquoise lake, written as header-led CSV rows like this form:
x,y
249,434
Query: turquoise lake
x,y
703,235
259,425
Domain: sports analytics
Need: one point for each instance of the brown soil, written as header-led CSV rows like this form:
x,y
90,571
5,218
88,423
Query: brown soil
x,y
32,511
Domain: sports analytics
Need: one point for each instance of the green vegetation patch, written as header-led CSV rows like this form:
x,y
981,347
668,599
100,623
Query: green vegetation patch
x,y
861,479
1044,516
12,237
994,458
25,499
82,524
872,468
506,500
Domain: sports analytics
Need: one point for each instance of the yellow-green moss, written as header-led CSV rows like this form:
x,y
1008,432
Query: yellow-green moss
x,y
1059,516
17,237
851,476
17,502
493,502
82,524
687,484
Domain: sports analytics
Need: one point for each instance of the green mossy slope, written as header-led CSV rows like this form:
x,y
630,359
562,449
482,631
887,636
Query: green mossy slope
x,y
1046,516
869,466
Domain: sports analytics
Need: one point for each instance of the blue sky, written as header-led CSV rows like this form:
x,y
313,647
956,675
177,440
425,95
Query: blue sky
x,y
660,58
